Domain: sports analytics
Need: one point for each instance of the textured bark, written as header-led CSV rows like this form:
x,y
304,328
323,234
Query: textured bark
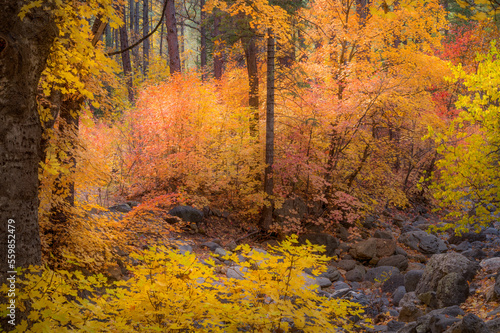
x,y
145,32
267,212
24,48
203,42
127,65
218,62
172,39
253,82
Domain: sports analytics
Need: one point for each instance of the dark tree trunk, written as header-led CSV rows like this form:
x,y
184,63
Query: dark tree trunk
x,y
183,47
253,82
267,212
362,10
145,31
203,43
24,48
218,62
161,38
172,39
127,65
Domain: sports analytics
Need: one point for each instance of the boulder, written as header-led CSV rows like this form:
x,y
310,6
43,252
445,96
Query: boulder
x,y
292,209
469,324
382,234
187,214
357,274
398,295
395,281
122,208
423,242
211,245
494,325
409,308
491,265
452,289
373,248
412,278
441,265
346,265
380,274
399,261
236,272
470,237
330,242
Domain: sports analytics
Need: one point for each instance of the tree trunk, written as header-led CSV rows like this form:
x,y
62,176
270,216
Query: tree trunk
x,y
127,66
267,212
145,31
161,38
218,62
172,39
253,82
24,48
203,43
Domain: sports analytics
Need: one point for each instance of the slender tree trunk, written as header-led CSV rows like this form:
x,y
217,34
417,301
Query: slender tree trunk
x,y
203,43
127,66
172,38
24,48
267,212
145,31
183,47
218,62
161,39
253,82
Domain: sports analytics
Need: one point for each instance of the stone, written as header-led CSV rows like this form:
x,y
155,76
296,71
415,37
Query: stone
x,y
423,242
331,274
122,208
491,265
380,274
373,248
394,325
291,209
399,261
340,285
398,294
187,214
409,308
357,274
469,324
346,265
469,237
221,252
412,278
236,272
429,298
464,246
399,250
323,282
442,264
395,281
382,234
330,242
211,245
493,325
475,253
452,289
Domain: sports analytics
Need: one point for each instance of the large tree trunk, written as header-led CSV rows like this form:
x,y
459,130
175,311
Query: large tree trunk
x,y
172,39
253,82
203,43
127,65
145,31
218,60
267,212
24,48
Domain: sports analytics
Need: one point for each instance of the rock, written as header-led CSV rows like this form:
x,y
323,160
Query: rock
x,y
187,214
477,254
452,289
373,248
399,250
399,261
412,278
346,265
236,272
398,295
470,237
309,280
185,248
133,204
395,281
122,208
356,274
339,293
331,274
330,242
340,285
469,324
429,298
442,264
211,245
382,234
491,265
493,294
437,321
394,325
370,221
292,209
408,328
409,308
323,282
380,274
494,325
464,246
221,252
423,242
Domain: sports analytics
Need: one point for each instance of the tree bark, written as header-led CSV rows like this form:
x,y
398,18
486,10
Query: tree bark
x,y
203,43
24,48
218,62
172,39
253,82
127,65
267,212
145,32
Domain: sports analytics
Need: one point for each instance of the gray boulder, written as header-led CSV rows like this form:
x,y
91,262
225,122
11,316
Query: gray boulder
x,y
380,274
395,281
295,209
412,278
330,242
469,324
357,274
346,265
409,308
441,265
423,242
399,261
121,208
491,265
398,294
187,214
452,289
373,248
